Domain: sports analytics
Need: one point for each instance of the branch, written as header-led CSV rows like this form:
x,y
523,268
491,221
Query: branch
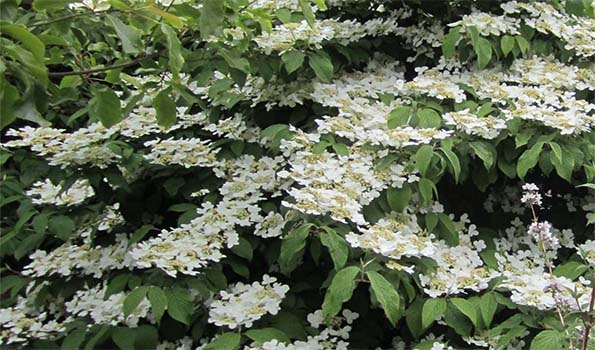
x,y
74,15
101,69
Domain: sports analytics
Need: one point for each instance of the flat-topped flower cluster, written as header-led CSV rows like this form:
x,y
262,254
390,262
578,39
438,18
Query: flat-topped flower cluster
x,y
406,172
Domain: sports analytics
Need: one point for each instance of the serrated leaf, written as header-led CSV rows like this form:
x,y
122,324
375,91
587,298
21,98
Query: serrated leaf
x,y
454,162
466,308
488,306
292,248
449,45
62,226
506,44
429,118
179,306
485,151
267,334
548,340
105,106
426,187
165,109
28,39
398,198
571,269
387,296
339,291
212,16
226,341
174,47
423,157
293,60
399,117
337,246
321,64
528,159
158,301
130,37
133,299
432,310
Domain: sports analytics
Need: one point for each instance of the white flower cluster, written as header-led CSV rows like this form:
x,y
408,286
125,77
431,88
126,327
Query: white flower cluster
x,y
332,337
394,238
84,259
192,246
487,127
459,268
90,302
24,320
45,192
243,304
185,152
287,36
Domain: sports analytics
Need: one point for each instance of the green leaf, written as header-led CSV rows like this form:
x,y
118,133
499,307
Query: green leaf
x,y
105,106
133,299
399,117
467,308
429,118
423,157
432,310
486,152
321,63
168,17
528,159
523,44
307,12
130,37
226,341
293,60
174,47
179,305
483,49
337,246
62,226
557,150
29,40
73,340
548,340
339,291
264,335
426,187
243,249
453,159
488,306
398,198
292,248
449,45
387,296
124,337
51,5
158,301
563,161
506,43
211,17
165,109
571,269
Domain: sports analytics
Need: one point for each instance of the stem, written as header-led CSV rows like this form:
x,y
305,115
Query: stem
x,y
589,323
101,69
548,263
74,15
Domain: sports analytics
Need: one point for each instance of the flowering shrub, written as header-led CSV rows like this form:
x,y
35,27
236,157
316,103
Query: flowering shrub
x,y
296,174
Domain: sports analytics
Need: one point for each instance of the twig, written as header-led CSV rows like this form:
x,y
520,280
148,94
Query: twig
x,y
101,69
589,323
74,15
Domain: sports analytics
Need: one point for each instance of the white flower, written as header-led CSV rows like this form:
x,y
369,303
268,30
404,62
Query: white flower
x,y
242,304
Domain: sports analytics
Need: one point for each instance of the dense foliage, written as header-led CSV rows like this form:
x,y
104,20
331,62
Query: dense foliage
x,y
296,174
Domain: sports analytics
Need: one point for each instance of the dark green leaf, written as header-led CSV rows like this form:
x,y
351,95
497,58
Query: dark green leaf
x,y
387,296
